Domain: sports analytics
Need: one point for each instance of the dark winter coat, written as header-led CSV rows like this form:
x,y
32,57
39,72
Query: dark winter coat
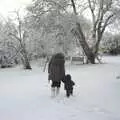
x,y
68,83
56,69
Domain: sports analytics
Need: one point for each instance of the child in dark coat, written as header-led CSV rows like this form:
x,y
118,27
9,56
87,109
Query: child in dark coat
x,y
68,85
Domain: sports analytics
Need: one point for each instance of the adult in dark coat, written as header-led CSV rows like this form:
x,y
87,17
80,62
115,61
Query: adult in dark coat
x,y
56,72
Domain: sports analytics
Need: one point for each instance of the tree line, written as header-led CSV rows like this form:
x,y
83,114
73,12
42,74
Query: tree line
x,y
61,25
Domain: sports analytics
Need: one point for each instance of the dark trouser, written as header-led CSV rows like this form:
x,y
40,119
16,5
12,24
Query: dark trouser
x,y
69,92
55,84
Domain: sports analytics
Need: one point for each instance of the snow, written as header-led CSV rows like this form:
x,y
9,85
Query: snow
x,y
26,95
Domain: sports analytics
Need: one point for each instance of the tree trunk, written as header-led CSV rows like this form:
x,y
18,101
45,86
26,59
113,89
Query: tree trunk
x,y
96,48
27,63
26,60
79,33
88,52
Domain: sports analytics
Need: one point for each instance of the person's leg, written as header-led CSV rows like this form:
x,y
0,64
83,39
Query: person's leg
x,y
67,93
58,87
71,91
57,90
53,89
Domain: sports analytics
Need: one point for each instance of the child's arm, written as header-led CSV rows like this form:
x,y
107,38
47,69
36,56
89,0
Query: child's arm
x,y
63,79
73,83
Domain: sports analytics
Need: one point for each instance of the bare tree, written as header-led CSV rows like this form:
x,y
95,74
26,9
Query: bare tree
x,y
102,15
21,37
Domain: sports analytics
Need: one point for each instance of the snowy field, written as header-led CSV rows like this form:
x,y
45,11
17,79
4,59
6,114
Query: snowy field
x,y
26,95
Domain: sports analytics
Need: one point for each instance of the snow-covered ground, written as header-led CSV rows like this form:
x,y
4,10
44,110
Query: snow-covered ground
x,y
26,95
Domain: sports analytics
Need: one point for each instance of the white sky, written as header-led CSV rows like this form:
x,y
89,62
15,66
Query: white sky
x,y
6,6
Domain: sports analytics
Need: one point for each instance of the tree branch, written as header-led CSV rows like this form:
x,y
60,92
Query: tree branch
x,y
106,23
15,37
74,7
